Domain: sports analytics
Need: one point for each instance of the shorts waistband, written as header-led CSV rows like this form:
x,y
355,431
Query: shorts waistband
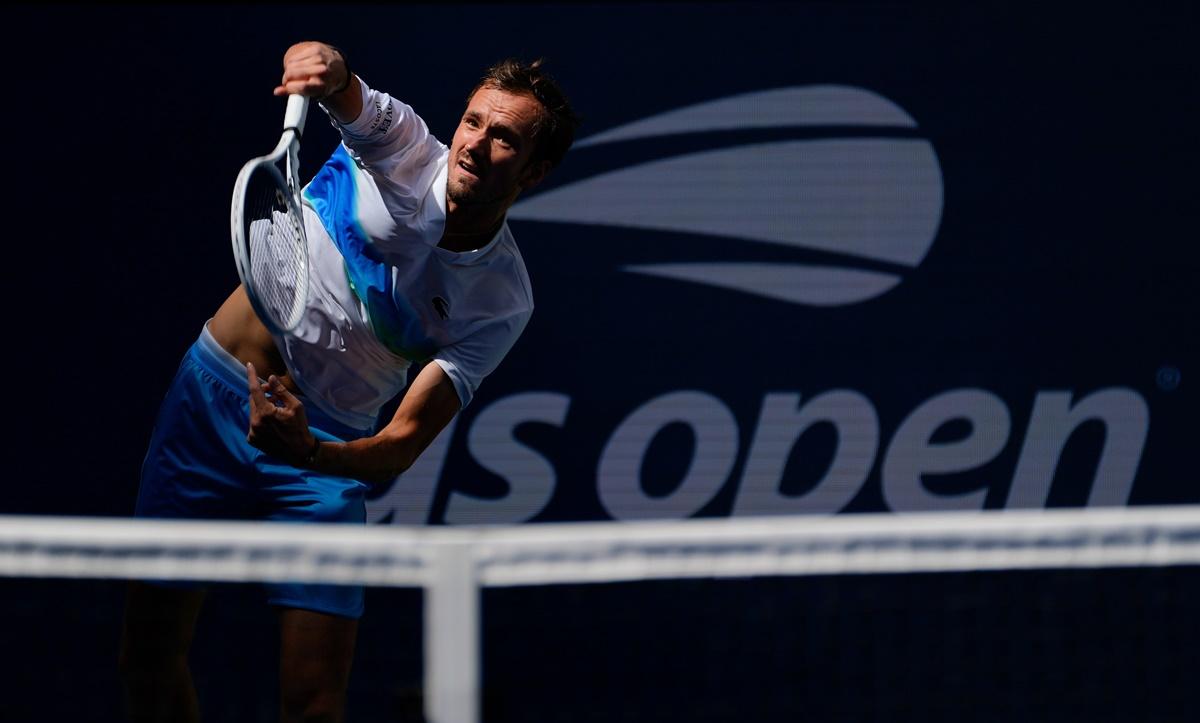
x,y
213,358
218,362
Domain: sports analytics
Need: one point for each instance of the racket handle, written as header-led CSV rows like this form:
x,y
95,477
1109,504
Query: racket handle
x,y
293,117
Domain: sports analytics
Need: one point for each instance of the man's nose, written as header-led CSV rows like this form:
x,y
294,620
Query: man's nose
x,y
474,140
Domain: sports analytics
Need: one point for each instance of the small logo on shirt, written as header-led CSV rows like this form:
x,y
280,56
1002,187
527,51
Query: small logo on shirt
x,y
442,306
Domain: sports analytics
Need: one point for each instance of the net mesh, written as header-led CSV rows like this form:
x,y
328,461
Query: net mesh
x,y
1064,615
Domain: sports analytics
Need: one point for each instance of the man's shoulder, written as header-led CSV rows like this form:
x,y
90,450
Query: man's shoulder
x,y
509,243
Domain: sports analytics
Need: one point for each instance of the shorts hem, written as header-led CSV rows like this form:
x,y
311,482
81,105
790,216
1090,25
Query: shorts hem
x,y
341,612
174,584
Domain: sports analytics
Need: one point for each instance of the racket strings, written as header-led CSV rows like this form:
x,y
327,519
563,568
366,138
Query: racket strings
x,y
278,257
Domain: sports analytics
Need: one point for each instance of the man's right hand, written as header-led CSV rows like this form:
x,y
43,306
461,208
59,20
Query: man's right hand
x,y
317,70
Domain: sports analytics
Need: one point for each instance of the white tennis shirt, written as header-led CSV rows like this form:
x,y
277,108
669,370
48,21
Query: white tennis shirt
x,y
382,294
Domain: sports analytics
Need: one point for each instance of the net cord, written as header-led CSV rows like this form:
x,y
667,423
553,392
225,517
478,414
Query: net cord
x,y
34,546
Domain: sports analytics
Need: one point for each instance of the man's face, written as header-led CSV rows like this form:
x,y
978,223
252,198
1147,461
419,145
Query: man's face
x,y
489,156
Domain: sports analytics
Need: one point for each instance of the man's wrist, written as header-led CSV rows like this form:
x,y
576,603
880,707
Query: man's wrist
x,y
349,75
311,459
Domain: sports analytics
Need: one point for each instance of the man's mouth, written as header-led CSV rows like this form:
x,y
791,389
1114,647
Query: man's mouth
x,y
469,167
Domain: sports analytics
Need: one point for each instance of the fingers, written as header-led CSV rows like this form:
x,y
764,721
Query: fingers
x,y
312,88
282,393
259,407
262,405
308,69
307,50
278,424
307,88
258,397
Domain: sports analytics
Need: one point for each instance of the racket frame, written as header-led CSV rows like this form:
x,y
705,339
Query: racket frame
x,y
288,151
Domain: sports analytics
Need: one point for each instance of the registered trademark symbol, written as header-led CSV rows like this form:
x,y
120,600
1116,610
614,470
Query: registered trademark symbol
x,y
1168,378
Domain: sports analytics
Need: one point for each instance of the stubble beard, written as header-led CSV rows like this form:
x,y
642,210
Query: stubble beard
x,y
464,195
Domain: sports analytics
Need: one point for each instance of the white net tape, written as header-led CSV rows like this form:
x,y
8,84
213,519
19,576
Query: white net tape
x,y
599,552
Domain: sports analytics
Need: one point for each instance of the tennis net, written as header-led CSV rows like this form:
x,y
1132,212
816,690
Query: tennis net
x,y
1006,615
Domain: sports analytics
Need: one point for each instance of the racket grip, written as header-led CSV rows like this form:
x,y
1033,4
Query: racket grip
x,y
293,117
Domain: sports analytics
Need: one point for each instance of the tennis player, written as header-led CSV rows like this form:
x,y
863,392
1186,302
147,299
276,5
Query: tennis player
x,y
411,260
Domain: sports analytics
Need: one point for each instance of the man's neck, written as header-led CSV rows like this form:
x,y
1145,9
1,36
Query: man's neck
x,y
466,230
466,242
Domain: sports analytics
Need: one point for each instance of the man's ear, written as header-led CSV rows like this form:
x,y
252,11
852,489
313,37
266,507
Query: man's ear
x,y
534,174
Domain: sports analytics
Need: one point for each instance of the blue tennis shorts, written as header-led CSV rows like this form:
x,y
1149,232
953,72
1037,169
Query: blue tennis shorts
x,y
199,466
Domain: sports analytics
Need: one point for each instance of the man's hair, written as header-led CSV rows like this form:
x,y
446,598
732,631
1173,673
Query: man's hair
x,y
554,130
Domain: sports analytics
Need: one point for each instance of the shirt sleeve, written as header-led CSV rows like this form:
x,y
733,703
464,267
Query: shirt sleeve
x,y
388,137
468,361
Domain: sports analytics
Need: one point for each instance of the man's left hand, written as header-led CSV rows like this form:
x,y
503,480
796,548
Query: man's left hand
x,y
278,424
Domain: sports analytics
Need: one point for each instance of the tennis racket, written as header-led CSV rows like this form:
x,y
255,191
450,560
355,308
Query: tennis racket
x,y
269,244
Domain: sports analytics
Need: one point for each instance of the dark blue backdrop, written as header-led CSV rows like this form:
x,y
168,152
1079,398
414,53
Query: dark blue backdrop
x,y
1059,270
1059,258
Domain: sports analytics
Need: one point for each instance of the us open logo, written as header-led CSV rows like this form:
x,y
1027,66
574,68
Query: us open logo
x,y
859,196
